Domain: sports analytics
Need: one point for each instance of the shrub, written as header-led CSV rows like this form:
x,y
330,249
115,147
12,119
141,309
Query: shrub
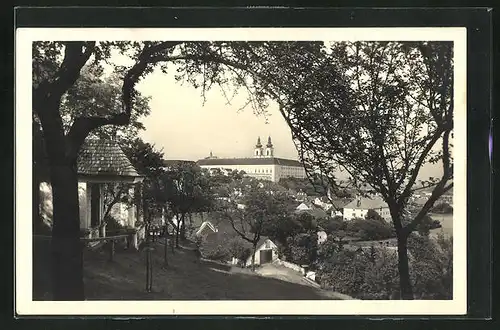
x,y
368,229
331,225
373,215
443,208
326,252
427,224
374,274
344,272
214,248
239,248
303,248
223,246
432,266
381,275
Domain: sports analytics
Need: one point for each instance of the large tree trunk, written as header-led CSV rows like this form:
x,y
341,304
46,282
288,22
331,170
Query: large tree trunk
x,y
177,231
403,267
66,248
253,256
37,223
183,227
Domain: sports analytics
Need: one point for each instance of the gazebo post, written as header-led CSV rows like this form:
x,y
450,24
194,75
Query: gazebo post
x,y
102,227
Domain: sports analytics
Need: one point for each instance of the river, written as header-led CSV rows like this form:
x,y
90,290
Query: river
x,y
446,223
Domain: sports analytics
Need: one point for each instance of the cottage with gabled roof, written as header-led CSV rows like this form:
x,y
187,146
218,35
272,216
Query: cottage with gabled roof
x,y
359,207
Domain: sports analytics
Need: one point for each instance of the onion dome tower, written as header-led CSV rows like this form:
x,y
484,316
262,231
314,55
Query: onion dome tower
x,y
258,148
269,148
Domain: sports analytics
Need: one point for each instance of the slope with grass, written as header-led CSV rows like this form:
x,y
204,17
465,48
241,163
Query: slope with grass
x,y
185,278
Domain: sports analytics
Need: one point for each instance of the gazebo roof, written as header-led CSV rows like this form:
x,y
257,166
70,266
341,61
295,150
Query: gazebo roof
x,y
104,160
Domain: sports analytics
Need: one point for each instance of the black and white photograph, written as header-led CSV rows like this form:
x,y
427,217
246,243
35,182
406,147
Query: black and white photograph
x,y
241,171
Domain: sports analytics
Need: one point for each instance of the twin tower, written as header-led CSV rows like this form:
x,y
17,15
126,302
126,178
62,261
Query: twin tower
x,y
261,152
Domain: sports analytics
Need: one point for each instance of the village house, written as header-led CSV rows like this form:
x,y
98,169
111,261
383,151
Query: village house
x,y
323,202
359,207
312,209
337,209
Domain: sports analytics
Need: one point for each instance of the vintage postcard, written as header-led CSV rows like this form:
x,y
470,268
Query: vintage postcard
x,y
241,171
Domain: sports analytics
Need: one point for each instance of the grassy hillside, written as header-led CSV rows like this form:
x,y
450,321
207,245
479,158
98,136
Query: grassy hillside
x,y
186,278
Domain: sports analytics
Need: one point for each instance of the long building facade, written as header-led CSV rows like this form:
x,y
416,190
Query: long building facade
x,y
263,165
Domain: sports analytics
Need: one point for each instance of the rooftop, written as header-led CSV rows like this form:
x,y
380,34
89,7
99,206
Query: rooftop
x,y
99,157
367,203
175,162
250,161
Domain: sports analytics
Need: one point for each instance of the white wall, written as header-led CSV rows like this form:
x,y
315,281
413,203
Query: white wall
x,y
121,212
273,247
267,172
350,214
271,172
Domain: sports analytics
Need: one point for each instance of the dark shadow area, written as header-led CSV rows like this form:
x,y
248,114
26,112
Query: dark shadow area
x,y
185,278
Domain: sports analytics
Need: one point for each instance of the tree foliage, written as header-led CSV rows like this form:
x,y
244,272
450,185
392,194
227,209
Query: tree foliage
x,y
369,229
443,208
377,111
262,203
373,273
303,248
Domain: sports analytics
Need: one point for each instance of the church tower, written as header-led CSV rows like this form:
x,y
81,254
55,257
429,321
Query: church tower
x,y
258,148
269,148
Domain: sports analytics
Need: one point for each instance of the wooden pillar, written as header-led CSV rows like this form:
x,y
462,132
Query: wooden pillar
x,y
88,203
131,214
138,201
101,210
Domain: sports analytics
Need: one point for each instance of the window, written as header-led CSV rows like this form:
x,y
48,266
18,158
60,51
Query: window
x,y
268,245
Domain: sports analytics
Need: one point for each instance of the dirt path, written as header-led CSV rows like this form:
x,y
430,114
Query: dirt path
x,y
289,275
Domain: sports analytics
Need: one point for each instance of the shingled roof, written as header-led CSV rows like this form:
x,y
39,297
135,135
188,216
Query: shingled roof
x,y
249,161
104,158
367,203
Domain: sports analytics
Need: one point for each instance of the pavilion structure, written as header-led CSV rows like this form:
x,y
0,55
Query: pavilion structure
x,y
102,161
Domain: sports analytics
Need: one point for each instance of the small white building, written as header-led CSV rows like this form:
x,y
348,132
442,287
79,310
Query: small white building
x,y
303,207
359,207
323,203
322,236
266,252
205,229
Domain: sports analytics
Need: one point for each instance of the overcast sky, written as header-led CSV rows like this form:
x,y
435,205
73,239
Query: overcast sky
x,y
185,128
188,129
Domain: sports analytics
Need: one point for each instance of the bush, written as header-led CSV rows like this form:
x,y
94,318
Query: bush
x,y
344,272
215,248
223,247
368,229
427,224
326,252
381,275
373,215
331,225
239,248
442,208
303,248
374,274
432,266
